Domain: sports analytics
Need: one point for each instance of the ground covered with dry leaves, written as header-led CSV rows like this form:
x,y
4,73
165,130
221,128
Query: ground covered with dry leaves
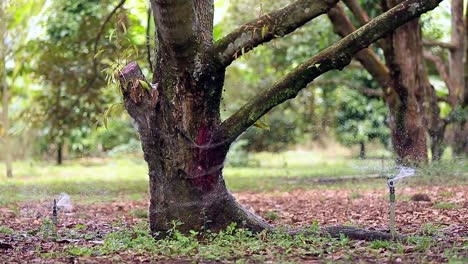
x,y
436,225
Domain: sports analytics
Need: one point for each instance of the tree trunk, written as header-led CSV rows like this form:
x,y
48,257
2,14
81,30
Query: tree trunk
x,y
5,102
403,53
408,135
59,153
176,119
459,73
6,126
362,150
177,115
185,168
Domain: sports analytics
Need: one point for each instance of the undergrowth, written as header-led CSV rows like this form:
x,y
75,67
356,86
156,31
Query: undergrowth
x,y
233,244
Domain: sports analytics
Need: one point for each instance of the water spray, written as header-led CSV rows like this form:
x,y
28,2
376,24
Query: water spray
x,y
64,203
391,181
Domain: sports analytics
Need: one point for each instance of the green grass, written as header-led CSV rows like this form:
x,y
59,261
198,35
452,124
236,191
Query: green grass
x,y
5,230
94,180
446,206
237,244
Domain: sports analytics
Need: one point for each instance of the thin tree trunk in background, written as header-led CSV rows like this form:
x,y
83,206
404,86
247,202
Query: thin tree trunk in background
x,y
362,150
465,93
456,54
457,69
59,154
5,98
6,123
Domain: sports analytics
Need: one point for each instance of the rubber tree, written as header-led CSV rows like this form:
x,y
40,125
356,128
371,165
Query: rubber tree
x,y
184,140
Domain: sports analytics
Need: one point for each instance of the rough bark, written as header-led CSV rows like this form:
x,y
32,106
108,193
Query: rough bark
x,y
178,118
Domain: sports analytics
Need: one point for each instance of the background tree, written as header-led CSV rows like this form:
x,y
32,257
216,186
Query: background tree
x,y
408,133
178,115
14,73
360,120
5,120
71,56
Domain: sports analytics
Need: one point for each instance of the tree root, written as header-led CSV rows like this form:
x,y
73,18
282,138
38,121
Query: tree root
x,y
357,233
255,223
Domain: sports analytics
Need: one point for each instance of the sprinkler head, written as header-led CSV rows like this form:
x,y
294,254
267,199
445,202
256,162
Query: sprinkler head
x,y
390,183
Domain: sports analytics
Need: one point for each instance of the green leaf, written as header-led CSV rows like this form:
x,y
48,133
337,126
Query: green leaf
x,y
145,85
124,27
98,53
119,107
264,30
262,124
111,35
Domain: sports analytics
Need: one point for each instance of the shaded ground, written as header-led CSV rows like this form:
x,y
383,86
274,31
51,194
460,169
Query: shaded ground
x,y
26,237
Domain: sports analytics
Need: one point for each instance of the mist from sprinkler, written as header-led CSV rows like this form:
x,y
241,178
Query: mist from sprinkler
x,y
63,202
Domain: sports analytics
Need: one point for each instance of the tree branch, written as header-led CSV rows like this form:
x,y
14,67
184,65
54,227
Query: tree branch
x,y
366,91
148,38
268,27
139,96
444,75
176,27
103,27
343,26
336,56
357,11
435,43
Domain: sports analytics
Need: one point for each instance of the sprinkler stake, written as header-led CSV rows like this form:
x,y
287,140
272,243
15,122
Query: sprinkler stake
x,y
391,188
54,213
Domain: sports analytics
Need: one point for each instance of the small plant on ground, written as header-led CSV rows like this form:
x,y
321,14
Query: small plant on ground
x,y
6,230
446,206
271,215
140,213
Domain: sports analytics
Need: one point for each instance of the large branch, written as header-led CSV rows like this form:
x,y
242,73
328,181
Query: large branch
x,y
176,26
444,75
336,56
268,27
343,26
